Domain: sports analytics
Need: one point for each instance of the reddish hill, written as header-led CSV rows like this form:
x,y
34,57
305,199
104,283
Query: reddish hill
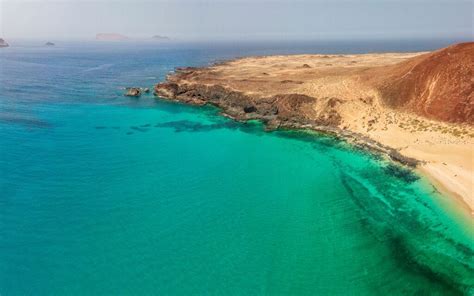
x,y
438,85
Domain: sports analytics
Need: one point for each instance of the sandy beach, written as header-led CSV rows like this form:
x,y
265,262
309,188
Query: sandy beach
x,y
343,93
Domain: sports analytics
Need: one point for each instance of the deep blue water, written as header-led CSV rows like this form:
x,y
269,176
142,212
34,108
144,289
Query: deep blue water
x,y
102,194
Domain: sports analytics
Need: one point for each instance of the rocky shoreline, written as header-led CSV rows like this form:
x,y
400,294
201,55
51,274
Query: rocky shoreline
x,y
282,111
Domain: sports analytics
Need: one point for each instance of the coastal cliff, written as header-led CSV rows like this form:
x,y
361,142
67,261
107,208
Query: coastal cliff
x,y
354,97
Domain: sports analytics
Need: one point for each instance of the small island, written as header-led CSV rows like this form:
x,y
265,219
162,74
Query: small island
x,y
49,44
161,38
110,37
3,43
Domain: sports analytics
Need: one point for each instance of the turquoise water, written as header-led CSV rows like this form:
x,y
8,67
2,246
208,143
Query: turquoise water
x,y
102,194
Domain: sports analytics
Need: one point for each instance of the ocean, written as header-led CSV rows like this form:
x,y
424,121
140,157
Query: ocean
x,y
102,194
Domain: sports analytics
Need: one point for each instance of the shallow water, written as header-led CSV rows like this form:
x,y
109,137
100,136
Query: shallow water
x,y
102,194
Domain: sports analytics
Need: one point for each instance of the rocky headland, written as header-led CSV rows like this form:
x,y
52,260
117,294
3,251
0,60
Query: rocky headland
x,y
417,108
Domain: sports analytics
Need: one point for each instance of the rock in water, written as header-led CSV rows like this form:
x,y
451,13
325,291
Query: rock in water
x,y
49,43
3,43
133,92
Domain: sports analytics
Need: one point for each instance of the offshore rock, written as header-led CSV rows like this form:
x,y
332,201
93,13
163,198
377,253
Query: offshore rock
x,y
133,92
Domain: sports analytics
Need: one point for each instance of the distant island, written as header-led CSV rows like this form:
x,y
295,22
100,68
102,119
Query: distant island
x,y
160,38
417,108
110,37
49,44
3,43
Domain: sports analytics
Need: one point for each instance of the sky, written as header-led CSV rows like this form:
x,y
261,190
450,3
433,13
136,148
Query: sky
x,y
238,19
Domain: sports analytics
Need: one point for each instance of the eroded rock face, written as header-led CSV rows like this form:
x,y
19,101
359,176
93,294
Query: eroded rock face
x,y
3,43
166,90
283,109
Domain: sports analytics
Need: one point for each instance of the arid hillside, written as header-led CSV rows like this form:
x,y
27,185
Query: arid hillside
x,y
438,85
416,105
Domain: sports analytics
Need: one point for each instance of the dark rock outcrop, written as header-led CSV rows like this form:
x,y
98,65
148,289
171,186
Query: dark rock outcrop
x,y
279,110
250,109
167,90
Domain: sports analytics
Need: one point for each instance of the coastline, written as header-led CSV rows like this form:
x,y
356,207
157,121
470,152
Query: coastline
x,y
438,181
343,107
446,188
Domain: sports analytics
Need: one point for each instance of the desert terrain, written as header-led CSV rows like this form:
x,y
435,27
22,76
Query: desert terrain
x,y
419,105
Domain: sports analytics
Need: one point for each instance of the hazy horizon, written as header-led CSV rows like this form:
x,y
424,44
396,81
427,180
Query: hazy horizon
x,y
238,20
